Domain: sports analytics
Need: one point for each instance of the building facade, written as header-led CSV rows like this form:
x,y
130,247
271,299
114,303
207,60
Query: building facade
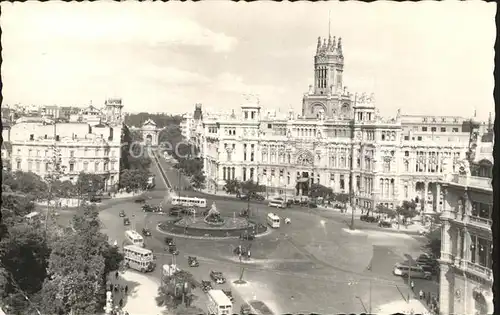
x,y
339,140
466,277
92,146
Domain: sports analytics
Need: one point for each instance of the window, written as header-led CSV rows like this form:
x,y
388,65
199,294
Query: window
x,y
419,138
32,137
251,157
85,166
281,173
244,170
246,115
272,173
264,172
253,115
454,130
342,182
71,167
383,136
269,126
443,129
112,166
387,166
424,128
407,166
433,129
38,166
29,152
71,153
407,138
18,165
407,153
30,166
96,167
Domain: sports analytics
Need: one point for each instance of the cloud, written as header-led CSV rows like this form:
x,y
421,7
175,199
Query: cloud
x,y
228,82
107,23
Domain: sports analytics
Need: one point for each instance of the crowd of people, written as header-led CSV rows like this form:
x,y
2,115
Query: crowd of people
x,y
119,292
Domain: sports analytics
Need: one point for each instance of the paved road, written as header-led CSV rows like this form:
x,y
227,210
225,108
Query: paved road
x,y
313,264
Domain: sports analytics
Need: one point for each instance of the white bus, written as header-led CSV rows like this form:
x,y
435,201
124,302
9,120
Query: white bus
x,y
219,303
278,203
413,271
139,258
134,238
189,201
273,220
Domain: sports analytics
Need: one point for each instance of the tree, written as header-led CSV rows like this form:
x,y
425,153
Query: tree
x,y
64,189
251,188
232,186
434,243
176,288
24,253
26,182
15,206
318,190
133,180
341,197
89,183
198,180
381,209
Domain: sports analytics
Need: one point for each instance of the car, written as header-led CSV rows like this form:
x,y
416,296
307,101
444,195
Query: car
x,y
206,285
288,221
368,218
140,200
243,197
245,309
169,240
172,249
217,277
229,294
146,232
242,251
122,214
193,261
247,236
95,199
126,221
312,205
385,224
148,208
428,268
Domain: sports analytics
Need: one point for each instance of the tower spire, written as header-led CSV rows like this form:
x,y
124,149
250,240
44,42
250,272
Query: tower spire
x,y
329,24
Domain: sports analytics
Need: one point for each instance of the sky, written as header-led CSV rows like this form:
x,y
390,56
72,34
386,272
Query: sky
x,y
423,57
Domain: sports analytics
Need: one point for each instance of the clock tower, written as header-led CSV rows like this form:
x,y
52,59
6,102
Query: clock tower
x,y
328,93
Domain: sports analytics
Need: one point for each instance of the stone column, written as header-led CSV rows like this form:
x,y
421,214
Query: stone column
x,y
438,198
426,189
445,288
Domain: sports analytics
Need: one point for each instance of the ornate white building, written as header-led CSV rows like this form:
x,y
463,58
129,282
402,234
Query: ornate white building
x,y
92,146
338,137
466,277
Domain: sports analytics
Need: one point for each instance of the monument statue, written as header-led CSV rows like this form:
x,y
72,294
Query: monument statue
x,y
213,214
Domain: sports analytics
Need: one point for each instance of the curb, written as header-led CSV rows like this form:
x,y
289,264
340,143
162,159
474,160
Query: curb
x,y
267,232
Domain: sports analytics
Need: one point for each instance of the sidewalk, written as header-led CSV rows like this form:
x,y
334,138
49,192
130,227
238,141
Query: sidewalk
x,y
414,307
142,293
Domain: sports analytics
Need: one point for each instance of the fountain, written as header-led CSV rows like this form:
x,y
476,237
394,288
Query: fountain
x,y
213,224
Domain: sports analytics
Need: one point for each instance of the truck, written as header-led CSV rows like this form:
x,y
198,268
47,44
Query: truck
x,y
219,303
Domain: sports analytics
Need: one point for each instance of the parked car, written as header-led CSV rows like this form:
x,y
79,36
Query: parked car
x,y
312,205
147,208
126,221
206,286
249,236
193,261
229,294
245,309
368,218
122,214
169,240
172,249
385,224
217,277
146,232
140,199
95,199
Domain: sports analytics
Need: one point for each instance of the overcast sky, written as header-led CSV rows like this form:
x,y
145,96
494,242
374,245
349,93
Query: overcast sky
x,y
425,58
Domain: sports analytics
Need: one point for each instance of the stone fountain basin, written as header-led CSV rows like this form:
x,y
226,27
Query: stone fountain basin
x,y
227,224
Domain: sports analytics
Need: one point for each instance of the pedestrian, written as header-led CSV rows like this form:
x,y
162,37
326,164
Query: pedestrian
x,y
120,303
424,297
428,300
412,285
126,289
116,288
111,287
421,294
116,275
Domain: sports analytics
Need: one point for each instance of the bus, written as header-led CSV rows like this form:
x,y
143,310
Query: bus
x,y
414,271
134,238
139,258
189,201
219,303
278,203
273,220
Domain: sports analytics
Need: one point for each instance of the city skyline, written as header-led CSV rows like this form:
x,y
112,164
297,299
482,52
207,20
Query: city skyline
x,y
196,58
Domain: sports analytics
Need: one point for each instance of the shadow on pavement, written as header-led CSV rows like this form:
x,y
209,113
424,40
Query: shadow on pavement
x,y
119,292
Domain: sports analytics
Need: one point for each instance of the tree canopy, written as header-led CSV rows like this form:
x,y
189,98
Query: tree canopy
x,y
134,179
252,188
232,186
318,190
434,243
198,180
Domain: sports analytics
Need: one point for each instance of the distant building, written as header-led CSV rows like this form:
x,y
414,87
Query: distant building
x,y
466,276
91,144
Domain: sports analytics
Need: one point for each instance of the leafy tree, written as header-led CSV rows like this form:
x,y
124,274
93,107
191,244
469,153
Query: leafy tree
x,y
232,186
134,180
434,243
173,290
381,209
198,180
24,253
64,189
190,167
89,183
341,197
318,190
26,182
15,206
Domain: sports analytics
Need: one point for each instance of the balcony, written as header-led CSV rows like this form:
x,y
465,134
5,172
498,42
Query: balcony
x,y
478,270
473,181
